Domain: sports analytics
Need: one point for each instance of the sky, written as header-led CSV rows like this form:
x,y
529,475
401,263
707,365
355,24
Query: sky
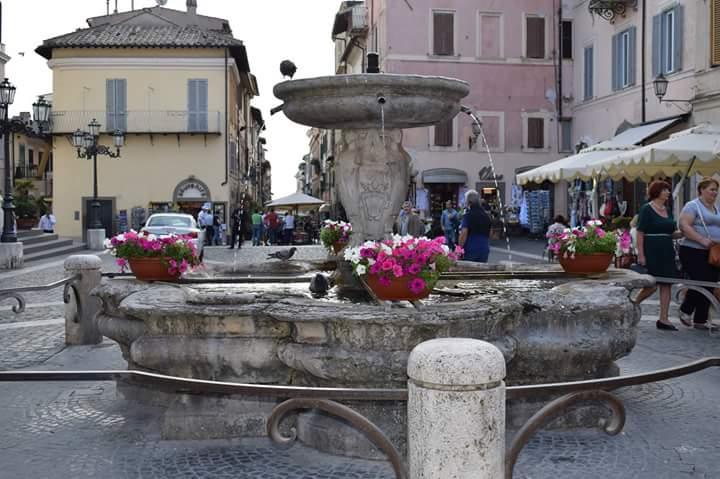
x,y
272,30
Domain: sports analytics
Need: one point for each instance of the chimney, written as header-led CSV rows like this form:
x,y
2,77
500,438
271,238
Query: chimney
x,y
192,7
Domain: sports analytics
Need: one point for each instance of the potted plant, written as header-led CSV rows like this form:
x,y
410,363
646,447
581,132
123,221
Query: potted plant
x,y
587,249
154,258
26,207
403,268
335,235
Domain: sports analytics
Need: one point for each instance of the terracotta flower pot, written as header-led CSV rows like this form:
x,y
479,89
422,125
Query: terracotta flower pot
x,y
586,263
337,247
399,289
152,269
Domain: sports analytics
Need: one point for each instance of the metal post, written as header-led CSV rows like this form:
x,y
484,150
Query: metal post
x,y
8,234
95,222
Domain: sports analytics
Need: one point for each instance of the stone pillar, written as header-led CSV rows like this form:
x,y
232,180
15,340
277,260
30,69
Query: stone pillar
x,y
11,255
373,174
96,239
80,312
456,410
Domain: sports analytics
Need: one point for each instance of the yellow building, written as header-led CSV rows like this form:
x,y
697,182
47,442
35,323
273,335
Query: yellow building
x,y
179,85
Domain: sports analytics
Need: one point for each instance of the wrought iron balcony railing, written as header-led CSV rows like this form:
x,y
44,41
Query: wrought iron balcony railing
x,y
609,9
26,172
139,121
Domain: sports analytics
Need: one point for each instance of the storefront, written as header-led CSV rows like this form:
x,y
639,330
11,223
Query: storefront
x,y
189,197
441,185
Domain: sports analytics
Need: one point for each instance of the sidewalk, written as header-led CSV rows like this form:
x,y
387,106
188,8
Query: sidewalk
x,y
86,430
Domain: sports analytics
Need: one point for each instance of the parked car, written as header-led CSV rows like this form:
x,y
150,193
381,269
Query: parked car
x,y
176,223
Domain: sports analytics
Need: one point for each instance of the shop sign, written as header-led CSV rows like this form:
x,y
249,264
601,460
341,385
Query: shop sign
x,y
192,190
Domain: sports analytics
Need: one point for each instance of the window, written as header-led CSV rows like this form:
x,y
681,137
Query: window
x,y
566,141
116,104
444,133
567,46
491,130
443,33
490,40
536,133
715,32
589,72
623,59
667,41
535,37
21,154
197,105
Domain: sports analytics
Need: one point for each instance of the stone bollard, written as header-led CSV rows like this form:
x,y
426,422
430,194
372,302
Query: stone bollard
x,y
96,239
456,410
80,325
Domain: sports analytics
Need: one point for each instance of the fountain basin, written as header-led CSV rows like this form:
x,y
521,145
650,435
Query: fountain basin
x,y
352,101
278,334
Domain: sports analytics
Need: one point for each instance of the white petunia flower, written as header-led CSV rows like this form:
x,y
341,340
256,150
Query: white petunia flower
x,y
360,269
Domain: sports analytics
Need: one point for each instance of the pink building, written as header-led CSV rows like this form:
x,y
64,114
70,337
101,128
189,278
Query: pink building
x,y
509,54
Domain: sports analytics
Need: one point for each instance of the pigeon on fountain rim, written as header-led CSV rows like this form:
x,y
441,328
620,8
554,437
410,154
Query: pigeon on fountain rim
x,y
283,255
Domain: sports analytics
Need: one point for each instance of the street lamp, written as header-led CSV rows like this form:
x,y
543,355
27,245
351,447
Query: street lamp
x,y
86,143
7,96
41,110
660,84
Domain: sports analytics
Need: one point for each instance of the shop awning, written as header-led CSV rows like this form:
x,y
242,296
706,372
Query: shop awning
x,y
640,133
444,175
697,148
575,166
296,200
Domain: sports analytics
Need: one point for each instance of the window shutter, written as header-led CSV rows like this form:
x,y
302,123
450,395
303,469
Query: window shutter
x,y
120,105
444,133
536,135
631,57
615,62
202,118
110,105
715,32
535,37
656,45
443,34
678,53
588,72
567,48
192,105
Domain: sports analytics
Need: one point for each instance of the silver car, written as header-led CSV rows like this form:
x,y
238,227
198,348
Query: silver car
x,y
179,224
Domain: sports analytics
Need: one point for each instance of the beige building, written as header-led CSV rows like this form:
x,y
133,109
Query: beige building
x,y
179,86
33,157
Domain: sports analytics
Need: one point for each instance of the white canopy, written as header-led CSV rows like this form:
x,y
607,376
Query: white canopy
x,y
296,200
575,166
668,157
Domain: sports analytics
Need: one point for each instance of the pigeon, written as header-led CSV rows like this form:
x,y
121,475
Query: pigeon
x,y
287,68
319,285
283,255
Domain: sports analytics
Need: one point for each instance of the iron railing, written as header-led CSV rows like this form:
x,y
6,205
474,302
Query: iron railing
x,y
138,121
68,287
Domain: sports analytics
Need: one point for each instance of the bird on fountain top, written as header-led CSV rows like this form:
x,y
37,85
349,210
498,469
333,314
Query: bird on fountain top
x,y
283,255
287,68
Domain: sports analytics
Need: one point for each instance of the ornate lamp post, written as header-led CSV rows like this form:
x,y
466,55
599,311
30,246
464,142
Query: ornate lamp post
x,y
87,146
7,96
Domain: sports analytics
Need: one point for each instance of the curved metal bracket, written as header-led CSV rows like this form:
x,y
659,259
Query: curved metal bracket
x,y
67,297
18,308
358,421
612,426
681,288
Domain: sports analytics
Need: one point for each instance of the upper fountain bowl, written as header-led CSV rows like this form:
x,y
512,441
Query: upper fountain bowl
x,y
354,101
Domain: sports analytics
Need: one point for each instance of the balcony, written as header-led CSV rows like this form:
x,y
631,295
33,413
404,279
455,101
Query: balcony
x,y
353,20
26,172
139,122
609,9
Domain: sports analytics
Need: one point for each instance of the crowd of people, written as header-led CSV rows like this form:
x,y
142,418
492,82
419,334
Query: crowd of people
x,y
669,249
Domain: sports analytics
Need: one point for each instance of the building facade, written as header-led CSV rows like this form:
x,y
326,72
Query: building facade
x,y
179,86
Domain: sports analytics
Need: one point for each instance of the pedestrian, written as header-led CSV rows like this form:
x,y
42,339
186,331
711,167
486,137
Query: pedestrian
x,y
475,230
257,228
288,228
47,222
409,223
205,220
558,227
700,224
449,223
217,230
655,232
236,226
272,225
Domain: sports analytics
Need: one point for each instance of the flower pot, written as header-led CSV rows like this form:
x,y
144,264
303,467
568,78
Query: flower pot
x,y
337,247
152,269
586,263
399,289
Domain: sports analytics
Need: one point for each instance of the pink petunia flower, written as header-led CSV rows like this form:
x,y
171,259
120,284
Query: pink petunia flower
x,y
417,285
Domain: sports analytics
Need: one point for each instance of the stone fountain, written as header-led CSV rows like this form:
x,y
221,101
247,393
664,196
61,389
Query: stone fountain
x,y
549,327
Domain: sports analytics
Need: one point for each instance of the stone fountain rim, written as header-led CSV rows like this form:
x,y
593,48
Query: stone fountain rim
x,y
308,86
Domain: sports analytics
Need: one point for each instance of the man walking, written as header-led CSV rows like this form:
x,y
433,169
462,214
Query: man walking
x,y
288,227
409,223
236,226
257,228
449,222
205,220
271,220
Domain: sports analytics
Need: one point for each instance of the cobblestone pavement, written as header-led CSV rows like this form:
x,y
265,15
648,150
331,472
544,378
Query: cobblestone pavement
x,y
83,430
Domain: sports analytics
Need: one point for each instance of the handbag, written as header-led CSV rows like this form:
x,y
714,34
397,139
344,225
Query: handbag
x,y
714,251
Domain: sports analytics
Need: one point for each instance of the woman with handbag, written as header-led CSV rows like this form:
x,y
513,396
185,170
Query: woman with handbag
x,y
655,232
700,250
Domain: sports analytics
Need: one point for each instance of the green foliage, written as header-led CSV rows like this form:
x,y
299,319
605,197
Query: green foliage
x,y
26,205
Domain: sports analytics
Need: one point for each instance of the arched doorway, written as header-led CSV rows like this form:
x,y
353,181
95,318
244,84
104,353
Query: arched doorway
x,y
190,195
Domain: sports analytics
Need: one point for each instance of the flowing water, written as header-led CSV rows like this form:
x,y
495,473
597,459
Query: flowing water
x,y
382,123
478,123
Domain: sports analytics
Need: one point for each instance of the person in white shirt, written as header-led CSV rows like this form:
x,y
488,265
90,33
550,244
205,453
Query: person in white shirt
x,y
47,222
288,227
